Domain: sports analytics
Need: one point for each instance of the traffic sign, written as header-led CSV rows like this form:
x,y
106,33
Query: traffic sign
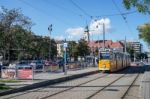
x,y
65,45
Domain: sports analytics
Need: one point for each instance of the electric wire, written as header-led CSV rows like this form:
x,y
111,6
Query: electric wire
x,y
115,14
83,11
43,12
123,16
77,6
62,8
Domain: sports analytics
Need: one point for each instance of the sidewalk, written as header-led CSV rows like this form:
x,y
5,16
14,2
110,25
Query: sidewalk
x,y
43,76
145,84
47,78
60,74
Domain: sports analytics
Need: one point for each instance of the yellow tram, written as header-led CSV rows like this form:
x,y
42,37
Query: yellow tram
x,y
110,60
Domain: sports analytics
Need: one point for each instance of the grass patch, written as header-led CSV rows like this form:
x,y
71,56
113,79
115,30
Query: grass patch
x,y
5,87
10,81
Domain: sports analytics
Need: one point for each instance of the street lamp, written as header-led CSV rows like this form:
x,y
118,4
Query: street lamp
x,y
103,33
65,45
50,30
87,32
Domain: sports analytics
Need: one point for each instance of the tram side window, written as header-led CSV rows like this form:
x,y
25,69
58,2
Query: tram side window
x,y
114,56
118,58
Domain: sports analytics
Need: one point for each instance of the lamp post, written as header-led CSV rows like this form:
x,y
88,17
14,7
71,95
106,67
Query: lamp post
x,y
87,32
104,35
103,24
50,30
65,45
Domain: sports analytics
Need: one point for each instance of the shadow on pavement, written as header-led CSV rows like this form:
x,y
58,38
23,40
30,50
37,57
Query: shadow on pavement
x,y
133,70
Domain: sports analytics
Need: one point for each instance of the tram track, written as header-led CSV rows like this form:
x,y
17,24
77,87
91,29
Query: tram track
x,y
89,97
74,87
109,85
131,85
24,93
77,86
86,83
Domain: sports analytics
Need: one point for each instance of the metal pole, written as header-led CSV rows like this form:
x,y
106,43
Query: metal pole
x,y
65,63
50,30
50,49
33,72
16,71
104,35
65,58
134,57
125,45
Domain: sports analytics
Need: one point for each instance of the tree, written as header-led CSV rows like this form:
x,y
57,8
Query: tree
x,y
131,51
143,6
96,51
12,24
72,49
144,32
39,47
17,41
53,49
83,48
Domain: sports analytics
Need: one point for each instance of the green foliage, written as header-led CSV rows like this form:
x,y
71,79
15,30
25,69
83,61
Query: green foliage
x,y
10,81
142,6
53,49
130,50
4,88
13,30
83,48
78,49
144,32
141,56
18,42
96,51
72,49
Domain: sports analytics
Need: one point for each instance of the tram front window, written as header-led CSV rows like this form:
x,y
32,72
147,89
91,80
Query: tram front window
x,y
104,56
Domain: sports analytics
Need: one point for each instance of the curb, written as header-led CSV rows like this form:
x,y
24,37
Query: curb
x,y
46,83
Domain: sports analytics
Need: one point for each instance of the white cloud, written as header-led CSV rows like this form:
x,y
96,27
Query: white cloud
x,y
75,31
59,37
96,26
0,9
69,37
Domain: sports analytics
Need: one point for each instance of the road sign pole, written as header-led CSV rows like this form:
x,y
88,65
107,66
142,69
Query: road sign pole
x,y
65,63
65,59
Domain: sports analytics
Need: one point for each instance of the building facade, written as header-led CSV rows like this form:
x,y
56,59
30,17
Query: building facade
x,y
137,47
59,48
94,45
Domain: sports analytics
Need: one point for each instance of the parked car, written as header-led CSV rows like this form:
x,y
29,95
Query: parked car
x,y
23,65
38,64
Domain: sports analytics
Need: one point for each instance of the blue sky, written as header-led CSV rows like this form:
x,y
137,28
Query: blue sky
x,y
69,21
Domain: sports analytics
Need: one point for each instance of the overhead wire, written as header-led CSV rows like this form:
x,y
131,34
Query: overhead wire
x,y
43,12
106,15
115,14
62,7
123,16
71,11
81,9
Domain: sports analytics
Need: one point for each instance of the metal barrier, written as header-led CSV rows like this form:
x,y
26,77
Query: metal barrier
x,y
8,73
15,73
